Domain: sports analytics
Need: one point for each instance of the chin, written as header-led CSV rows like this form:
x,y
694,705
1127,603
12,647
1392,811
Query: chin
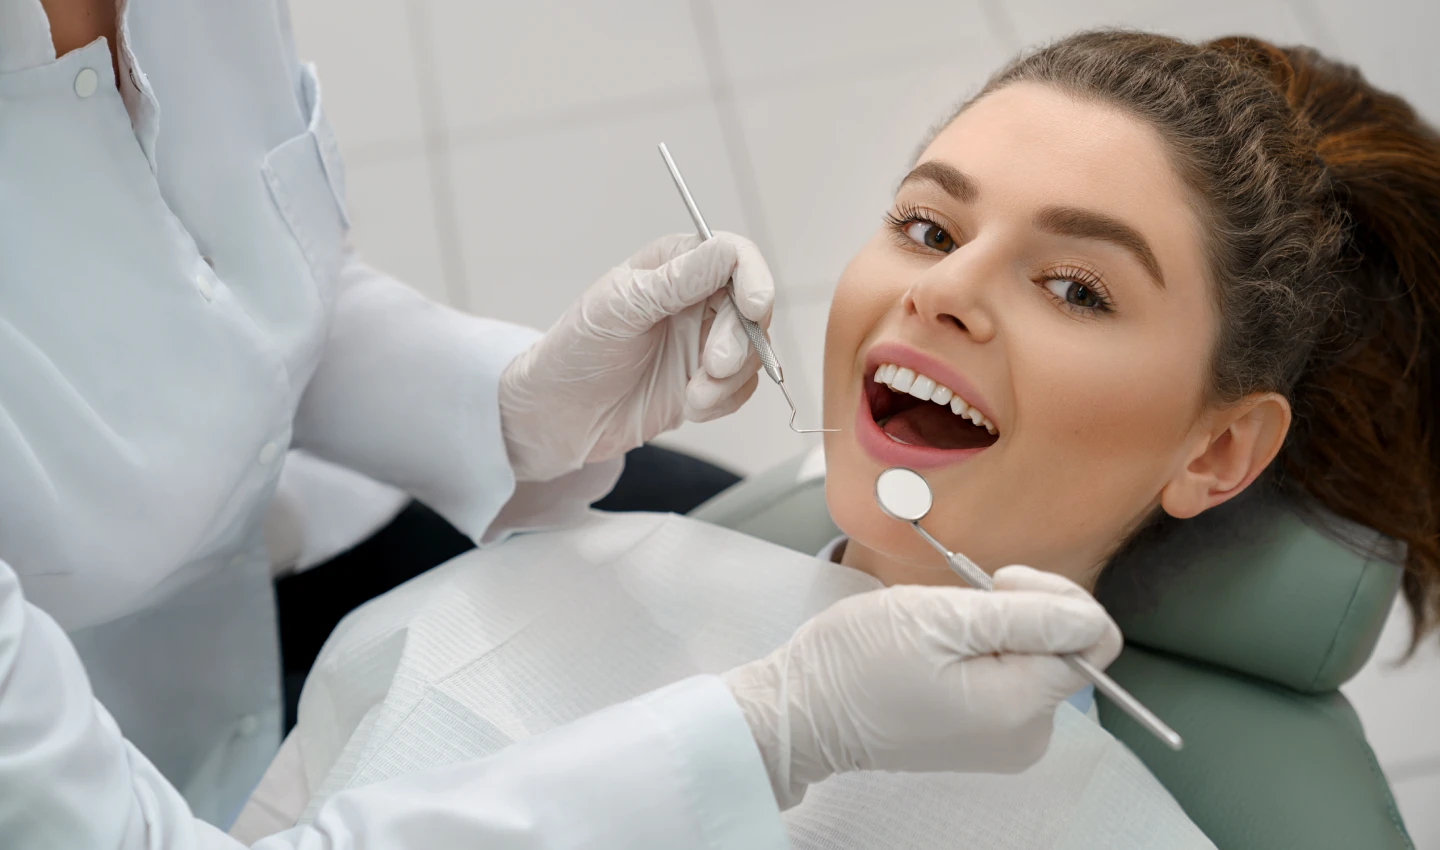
x,y
898,556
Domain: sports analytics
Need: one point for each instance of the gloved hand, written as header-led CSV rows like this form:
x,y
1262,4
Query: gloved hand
x,y
654,342
922,679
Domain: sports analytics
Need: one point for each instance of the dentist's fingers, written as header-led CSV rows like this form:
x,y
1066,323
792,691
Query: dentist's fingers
x,y
708,398
754,285
726,345
1017,578
1020,577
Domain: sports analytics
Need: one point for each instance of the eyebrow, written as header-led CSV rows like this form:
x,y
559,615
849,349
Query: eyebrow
x,y
1088,224
956,183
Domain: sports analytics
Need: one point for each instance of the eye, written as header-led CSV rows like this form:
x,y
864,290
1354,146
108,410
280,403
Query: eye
x,y
1078,291
930,234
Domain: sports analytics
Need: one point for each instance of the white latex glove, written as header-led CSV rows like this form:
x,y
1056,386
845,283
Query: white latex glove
x,y
654,342
922,679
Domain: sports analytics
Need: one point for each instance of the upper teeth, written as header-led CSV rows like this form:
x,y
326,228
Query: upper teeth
x,y
903,380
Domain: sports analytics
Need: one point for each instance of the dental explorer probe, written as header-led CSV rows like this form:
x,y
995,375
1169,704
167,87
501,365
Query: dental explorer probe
x,y
905,495
752,330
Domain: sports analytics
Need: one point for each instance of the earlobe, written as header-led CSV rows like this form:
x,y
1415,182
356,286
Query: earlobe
x,y
1243,440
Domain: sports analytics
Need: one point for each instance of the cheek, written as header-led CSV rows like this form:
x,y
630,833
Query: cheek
x,y
870,288
867,300
1121,401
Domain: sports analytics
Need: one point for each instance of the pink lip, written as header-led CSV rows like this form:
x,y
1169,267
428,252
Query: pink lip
x,y
877,443
907,357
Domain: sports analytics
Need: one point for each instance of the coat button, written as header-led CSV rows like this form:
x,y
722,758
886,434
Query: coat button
x,y
248,725
269,452
203,284
86,82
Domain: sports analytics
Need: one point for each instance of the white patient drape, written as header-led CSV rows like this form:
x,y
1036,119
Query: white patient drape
x,y
511,641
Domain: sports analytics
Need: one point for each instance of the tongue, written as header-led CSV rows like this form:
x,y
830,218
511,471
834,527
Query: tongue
x,y
936,427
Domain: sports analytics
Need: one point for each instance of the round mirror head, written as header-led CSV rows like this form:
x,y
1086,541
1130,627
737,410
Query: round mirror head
x,y
903,494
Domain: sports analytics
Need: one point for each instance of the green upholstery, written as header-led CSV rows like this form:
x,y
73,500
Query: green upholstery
x,y
1259,618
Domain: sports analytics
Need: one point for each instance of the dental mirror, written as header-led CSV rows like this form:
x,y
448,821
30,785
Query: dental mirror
x,y
905,495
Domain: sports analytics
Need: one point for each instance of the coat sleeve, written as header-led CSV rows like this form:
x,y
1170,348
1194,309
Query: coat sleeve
x,y
676,768
406,392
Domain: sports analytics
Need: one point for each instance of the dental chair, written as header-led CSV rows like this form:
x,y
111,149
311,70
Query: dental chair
x,y
1260,612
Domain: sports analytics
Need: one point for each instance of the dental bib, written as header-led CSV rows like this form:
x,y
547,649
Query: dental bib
x,y
508,642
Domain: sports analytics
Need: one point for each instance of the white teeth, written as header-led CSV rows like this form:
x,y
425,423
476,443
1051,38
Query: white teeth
x,y
903,380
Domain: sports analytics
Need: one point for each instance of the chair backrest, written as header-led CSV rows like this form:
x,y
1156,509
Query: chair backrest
x,y
1241,649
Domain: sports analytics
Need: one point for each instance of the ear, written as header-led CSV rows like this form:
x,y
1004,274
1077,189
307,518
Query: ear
x,y
1235,446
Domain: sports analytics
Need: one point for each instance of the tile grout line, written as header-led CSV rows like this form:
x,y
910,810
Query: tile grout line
x,y
1415,768
437,154
1312,23
742,169
1002,26
609,111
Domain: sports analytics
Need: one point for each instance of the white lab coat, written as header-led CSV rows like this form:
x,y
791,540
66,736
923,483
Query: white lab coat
x,y
178,306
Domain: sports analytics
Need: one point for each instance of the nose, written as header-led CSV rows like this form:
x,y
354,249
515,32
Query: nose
x,y
955,294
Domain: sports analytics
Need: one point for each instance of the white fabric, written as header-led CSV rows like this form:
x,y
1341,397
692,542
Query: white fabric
x,y
502,644
320,510
178,308
675,768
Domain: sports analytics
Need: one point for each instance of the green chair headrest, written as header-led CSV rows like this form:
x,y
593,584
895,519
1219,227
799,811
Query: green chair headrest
x,y
1261,586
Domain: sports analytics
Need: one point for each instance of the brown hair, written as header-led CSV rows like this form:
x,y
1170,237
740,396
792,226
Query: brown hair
x,y
1320,197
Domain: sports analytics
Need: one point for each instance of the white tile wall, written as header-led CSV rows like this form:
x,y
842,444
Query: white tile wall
x,y
1040,20
764,41
503,154
508,62
362,49
392,215
543,214
1419,802
828,154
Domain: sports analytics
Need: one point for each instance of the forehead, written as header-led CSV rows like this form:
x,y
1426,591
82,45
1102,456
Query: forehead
x,y
1031,144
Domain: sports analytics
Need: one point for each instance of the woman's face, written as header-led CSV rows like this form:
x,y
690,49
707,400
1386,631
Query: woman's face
x,y
1044,262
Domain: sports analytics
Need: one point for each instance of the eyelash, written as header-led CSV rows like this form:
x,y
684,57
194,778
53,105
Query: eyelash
x,y
1085,278
904,215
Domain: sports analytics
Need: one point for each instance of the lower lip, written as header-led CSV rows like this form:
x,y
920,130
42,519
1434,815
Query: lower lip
x,y
876,443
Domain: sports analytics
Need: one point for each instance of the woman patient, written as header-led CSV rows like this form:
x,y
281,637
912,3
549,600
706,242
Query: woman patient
x,y
1129,279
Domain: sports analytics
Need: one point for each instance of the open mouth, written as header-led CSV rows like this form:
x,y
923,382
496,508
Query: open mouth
x,y
913,409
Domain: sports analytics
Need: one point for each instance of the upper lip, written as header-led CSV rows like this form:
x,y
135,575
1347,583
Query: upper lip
x,y
893,351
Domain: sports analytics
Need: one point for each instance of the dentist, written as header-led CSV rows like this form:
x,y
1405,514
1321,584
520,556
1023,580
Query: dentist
x,y
179,305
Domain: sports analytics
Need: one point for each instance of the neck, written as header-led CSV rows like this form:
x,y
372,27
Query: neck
x,y
930,569
890,570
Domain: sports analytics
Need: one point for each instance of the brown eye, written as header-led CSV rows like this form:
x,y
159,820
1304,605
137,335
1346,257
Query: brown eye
x,y
1077,294
1082,296
931,236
